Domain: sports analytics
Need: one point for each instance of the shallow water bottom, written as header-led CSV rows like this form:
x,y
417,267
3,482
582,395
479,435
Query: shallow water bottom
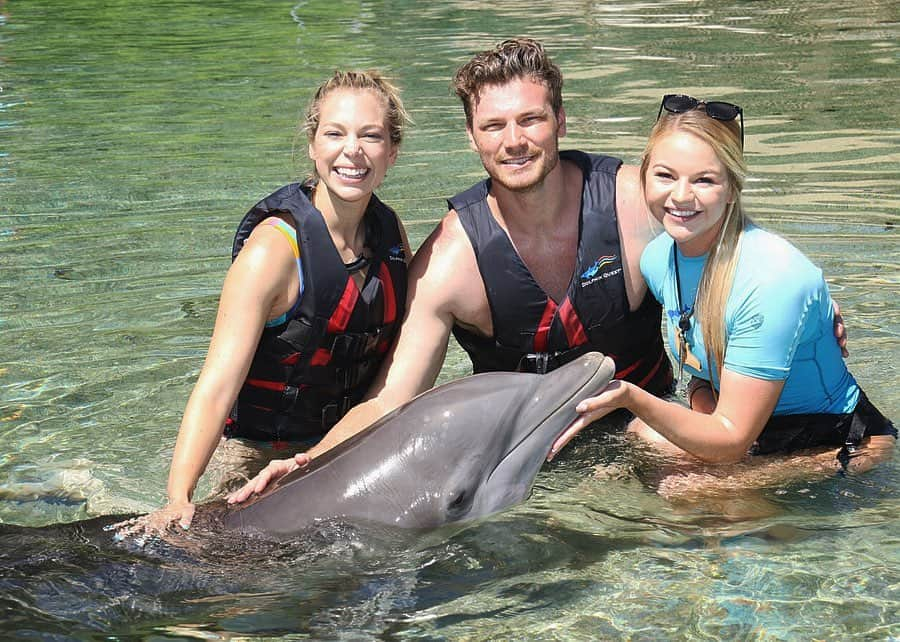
x,y
596,553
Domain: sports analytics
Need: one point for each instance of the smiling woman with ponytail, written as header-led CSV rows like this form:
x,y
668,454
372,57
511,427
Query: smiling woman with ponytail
x,y
313,298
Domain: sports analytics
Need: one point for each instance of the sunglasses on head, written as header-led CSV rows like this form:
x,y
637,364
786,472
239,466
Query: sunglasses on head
x,y
679,103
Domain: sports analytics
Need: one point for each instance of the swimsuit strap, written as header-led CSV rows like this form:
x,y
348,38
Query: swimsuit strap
x,y
287,231
291,236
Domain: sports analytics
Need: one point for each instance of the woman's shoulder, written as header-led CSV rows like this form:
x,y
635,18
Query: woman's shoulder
x,y
765,241
773,256
772,265
658,249
384,211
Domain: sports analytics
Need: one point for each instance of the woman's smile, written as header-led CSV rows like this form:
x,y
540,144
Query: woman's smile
x,y
687,191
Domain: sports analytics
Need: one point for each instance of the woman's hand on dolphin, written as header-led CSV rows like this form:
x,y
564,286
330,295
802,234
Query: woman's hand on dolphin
x,y
276,469
157,522
591,410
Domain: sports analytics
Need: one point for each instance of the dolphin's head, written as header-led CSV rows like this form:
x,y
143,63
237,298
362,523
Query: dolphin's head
x,y
494,441
461,451
543,416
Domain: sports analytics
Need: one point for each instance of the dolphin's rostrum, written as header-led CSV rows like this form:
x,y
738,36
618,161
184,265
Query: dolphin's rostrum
x,y
461,451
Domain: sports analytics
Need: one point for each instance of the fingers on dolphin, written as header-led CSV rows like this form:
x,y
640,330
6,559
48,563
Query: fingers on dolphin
x,y
460,451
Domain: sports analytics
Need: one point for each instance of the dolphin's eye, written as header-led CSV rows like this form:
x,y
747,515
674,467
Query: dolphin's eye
x,y
460,503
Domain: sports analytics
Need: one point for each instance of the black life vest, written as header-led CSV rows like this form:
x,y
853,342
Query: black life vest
x,y
308,371
532,332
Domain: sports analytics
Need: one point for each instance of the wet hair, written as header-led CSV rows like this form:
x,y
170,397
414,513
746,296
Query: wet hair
x,y
508,61
397,116
724,137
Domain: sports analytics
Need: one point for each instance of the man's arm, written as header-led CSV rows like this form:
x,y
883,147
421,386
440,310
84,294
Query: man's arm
x,y
636,228
444,286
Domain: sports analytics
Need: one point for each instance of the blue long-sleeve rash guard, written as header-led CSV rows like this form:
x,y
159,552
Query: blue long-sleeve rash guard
x,y
778,320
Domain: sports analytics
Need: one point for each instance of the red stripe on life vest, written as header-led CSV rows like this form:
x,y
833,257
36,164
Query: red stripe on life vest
x,y
575,333
542,336
291,359
624,372
268,385
341,317
643,382
390,299
321,357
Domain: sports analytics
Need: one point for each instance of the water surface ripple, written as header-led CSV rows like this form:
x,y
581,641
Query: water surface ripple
x,y
133,136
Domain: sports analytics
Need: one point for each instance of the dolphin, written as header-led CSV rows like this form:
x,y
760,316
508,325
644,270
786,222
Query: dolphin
x,y
458,452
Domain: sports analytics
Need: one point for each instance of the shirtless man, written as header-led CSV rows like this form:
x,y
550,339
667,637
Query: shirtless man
x,y
530,267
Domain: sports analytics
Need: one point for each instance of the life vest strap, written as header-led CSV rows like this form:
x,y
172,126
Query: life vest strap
x,y
544,362
356,345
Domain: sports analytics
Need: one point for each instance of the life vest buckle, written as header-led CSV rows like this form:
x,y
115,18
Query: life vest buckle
x,y
538,362
349,378
356,345
289,398
544,362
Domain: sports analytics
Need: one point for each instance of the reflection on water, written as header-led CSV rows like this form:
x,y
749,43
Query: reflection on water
x,y
591,556
132,139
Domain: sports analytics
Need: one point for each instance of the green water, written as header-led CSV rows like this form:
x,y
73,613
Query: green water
x,y
133,136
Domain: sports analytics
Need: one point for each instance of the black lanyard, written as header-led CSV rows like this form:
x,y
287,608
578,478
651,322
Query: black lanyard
x,y
684,320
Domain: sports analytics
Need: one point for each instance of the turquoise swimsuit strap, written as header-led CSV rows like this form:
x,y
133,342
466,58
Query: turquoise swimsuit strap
x,y
291,236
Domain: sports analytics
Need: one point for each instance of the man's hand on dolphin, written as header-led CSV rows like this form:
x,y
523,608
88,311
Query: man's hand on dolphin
x,y
276,469
840,329
590,410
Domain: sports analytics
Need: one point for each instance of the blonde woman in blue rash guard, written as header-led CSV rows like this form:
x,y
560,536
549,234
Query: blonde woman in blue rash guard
x,y
749,317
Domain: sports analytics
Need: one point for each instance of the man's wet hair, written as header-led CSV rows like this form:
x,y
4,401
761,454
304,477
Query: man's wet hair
x,y
510,60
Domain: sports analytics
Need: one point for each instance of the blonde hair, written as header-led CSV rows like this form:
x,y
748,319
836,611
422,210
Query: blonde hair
x,y
718,274
397,116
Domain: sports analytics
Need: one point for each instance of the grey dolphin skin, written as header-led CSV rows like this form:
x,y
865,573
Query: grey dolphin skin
x,y
460,451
